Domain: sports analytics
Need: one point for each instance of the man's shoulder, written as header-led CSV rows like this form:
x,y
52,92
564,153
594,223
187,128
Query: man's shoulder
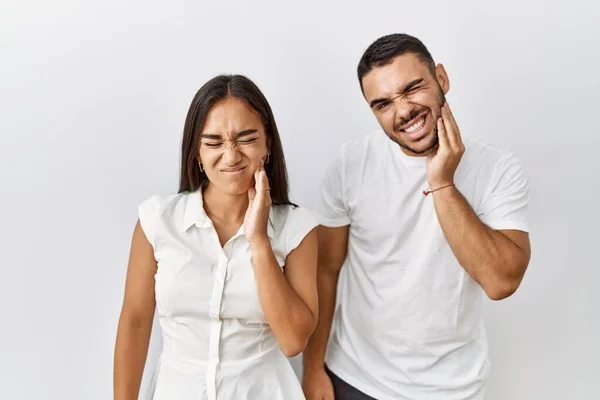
x,y
483,163
480,153
356,149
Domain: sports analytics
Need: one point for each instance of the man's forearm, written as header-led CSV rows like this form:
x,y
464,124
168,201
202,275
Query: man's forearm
x,y
314,354
488,256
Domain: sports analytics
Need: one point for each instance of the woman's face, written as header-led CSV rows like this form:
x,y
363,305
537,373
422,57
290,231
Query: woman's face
x,y
233,143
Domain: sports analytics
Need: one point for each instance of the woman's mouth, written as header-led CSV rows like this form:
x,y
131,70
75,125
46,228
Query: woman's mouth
x,y
233,171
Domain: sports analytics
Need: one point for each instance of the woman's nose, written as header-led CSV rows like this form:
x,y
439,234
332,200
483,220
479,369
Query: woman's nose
x,y
232,155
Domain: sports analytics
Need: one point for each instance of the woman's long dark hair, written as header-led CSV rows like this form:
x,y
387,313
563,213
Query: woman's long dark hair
x,y
219,88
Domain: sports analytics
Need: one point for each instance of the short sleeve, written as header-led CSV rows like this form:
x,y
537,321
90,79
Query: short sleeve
x,y
505,205
298,224
148,212
332,210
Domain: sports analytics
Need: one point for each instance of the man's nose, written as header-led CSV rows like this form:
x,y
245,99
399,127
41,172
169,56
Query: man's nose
x,y
403,111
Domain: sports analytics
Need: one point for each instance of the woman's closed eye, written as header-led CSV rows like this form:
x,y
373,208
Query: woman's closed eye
x,y
216,145
248,141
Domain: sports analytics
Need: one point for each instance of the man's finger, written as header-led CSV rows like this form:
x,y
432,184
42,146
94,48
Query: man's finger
x,y
454,125
450,131
442,135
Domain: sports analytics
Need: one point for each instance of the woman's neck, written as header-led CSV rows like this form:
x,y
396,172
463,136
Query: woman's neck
x,y
224,206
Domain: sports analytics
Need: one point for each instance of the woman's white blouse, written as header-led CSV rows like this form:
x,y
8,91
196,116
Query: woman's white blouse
x,y
217,343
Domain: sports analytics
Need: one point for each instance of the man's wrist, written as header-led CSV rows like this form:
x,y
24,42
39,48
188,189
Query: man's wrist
x,y
443,188
313,366
438,184
438,188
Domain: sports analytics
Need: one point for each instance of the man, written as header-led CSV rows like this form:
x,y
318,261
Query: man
x,y
420,221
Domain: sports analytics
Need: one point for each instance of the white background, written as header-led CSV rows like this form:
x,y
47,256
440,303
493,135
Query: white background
x,y
93,97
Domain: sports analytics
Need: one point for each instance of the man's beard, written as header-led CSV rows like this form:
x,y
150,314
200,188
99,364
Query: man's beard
x,y
415,113
434,142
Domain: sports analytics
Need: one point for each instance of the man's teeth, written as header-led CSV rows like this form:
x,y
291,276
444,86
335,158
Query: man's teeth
x,y
416,126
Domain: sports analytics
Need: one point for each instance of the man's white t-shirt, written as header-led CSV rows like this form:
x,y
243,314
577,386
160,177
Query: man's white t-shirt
x,y
408,321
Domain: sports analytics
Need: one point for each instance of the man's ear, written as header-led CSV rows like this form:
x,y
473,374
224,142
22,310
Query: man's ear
x,y
442,78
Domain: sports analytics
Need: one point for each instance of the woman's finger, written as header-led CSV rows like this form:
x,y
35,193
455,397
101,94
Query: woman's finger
x,y
251,195
265,181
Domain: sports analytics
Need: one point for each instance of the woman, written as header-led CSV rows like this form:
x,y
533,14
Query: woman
x,y
229,262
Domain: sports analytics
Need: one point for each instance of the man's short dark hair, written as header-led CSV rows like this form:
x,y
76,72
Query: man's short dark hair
x,y
386,48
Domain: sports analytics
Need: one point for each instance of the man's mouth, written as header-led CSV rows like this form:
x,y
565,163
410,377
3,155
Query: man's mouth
x,y
415,127
415,124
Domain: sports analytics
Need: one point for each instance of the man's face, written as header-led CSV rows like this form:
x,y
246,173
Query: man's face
x,y
406,100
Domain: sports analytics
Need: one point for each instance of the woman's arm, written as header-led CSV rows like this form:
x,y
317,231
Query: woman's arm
x,y
289,299
135,323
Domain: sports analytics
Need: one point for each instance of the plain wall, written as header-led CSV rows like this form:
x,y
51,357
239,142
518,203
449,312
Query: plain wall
x,y
93,97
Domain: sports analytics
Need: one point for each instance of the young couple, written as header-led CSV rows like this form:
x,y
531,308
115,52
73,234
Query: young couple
x,y
419,219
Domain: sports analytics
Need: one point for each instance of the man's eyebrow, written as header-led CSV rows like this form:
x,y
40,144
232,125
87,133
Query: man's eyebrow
x,y
411,85
402,91
218,137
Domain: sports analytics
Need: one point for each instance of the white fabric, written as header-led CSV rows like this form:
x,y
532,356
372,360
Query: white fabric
x,y
408,320
217,343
